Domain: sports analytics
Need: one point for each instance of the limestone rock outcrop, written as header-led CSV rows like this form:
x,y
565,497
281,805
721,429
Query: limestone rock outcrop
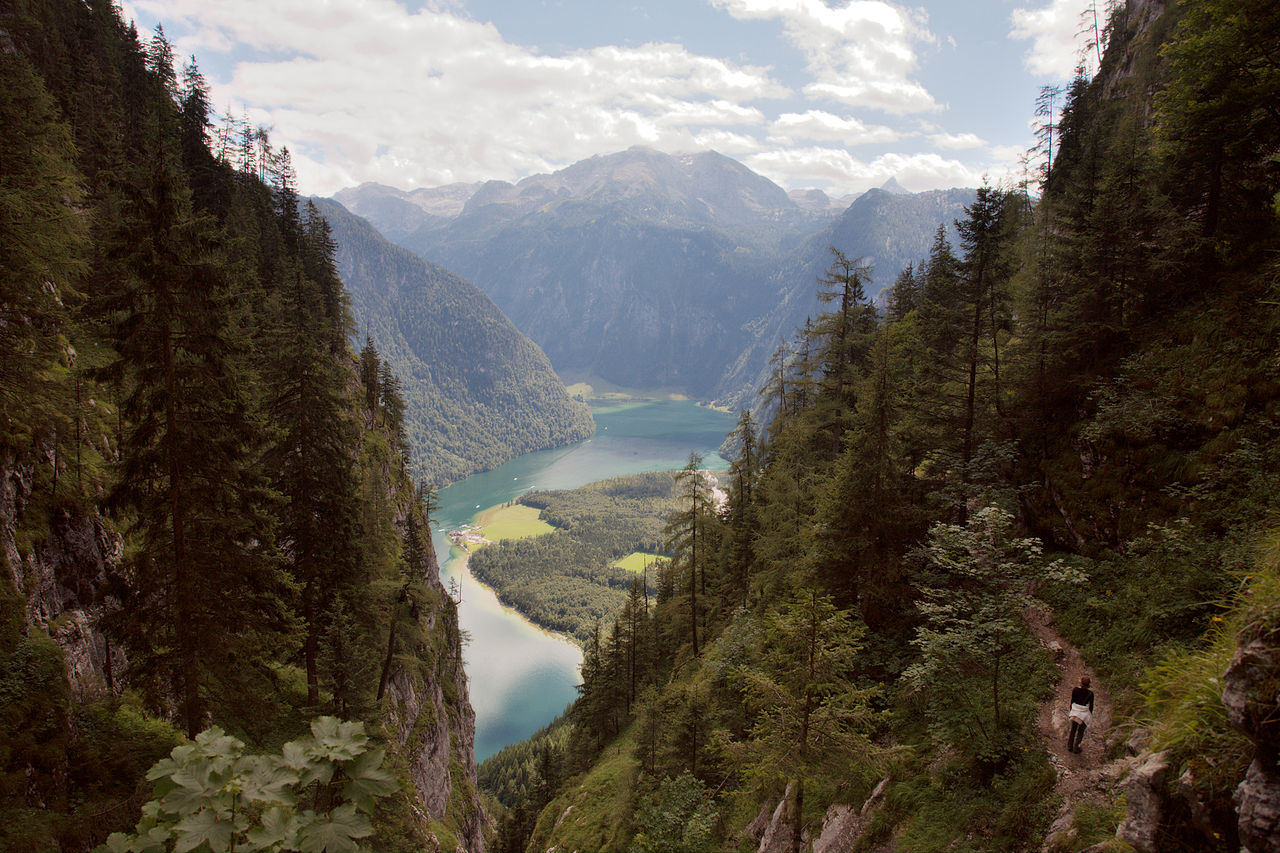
x,y
1148,802
1251,692
843,826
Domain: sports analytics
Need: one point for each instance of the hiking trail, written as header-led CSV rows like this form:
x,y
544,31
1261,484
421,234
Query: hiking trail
x,y
1085,775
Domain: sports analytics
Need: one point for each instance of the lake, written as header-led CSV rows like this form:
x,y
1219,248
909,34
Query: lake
x,y
522,677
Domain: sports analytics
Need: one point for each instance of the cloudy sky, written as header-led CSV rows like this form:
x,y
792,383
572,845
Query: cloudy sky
x,y
839,95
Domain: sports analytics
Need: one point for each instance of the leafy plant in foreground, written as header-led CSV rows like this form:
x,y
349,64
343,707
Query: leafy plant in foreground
x,y
314,796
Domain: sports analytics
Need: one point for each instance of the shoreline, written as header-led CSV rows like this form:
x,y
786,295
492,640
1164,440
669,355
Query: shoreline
x,y
460,564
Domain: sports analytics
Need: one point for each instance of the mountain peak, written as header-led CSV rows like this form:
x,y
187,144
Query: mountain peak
x,y
892,186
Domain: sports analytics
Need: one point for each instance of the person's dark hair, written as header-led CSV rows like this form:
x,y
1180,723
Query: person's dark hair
x,y
1084,681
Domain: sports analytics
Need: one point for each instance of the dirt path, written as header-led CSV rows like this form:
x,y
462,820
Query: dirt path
x,y
1077,773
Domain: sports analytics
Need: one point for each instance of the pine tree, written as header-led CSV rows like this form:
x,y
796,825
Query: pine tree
x,y
739,552
194,126
904,294
985,271
318,251
840,338
871,509
370,372
1218,125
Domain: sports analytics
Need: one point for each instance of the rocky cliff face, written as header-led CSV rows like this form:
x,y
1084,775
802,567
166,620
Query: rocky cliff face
x,y
432,725
61,580
1251,692
60,576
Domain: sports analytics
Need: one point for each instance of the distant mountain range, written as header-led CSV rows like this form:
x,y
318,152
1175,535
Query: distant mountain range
x,y
651,270
477,392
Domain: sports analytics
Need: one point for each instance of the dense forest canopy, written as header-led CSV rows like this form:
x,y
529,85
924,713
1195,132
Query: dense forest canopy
x,y
1066,414
567,580
207,515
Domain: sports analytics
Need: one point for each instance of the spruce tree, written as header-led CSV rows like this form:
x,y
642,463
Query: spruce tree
x,y
313,463
201,590
687,537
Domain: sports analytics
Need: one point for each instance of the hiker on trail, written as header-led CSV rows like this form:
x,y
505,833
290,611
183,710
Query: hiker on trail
x,y
1081,713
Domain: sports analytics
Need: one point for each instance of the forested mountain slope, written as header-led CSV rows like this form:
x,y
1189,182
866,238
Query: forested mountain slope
x,y
477,392
887,230
204,511
1071,408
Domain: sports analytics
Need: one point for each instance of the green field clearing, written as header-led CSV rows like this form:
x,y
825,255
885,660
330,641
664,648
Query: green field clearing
x,y
636,560
511,522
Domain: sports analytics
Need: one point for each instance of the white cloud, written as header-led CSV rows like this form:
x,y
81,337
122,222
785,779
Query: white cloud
x,y
821,126
1056,33
839,172
726,142
957,141
861,53
365,89
375,90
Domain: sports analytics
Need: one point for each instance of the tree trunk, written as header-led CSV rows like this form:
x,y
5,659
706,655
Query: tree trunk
x,y
185,625
970,410
311,647
797,817
693,579
995,698
386,663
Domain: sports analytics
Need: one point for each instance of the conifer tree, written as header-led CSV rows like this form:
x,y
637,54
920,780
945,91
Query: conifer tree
x,y
687,538
738,552
317,252
43,247
811,720
370,373
194,125
840,338
202,587
985,271
870,510
314,463
904,294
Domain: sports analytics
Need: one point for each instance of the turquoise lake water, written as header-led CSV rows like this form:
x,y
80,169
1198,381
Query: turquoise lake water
x,y
522,677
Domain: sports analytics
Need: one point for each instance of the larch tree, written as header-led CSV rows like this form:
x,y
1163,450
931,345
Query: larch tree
x,y
811,722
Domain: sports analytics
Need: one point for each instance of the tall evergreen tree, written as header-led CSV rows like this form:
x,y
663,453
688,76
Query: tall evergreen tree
x,y
317,251
202,589
840,340
812,721
740,522
314,462
687,539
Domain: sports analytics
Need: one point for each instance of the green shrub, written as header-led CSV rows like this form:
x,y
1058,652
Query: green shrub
x,y
315,796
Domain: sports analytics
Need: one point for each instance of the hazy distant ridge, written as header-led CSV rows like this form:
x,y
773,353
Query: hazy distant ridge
x,y
655,270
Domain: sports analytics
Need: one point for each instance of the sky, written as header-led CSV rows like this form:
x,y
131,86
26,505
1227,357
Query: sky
x,y
838,95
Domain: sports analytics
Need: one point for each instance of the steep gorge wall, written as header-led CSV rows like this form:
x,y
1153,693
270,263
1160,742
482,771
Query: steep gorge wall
x,y
59,572
61,581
